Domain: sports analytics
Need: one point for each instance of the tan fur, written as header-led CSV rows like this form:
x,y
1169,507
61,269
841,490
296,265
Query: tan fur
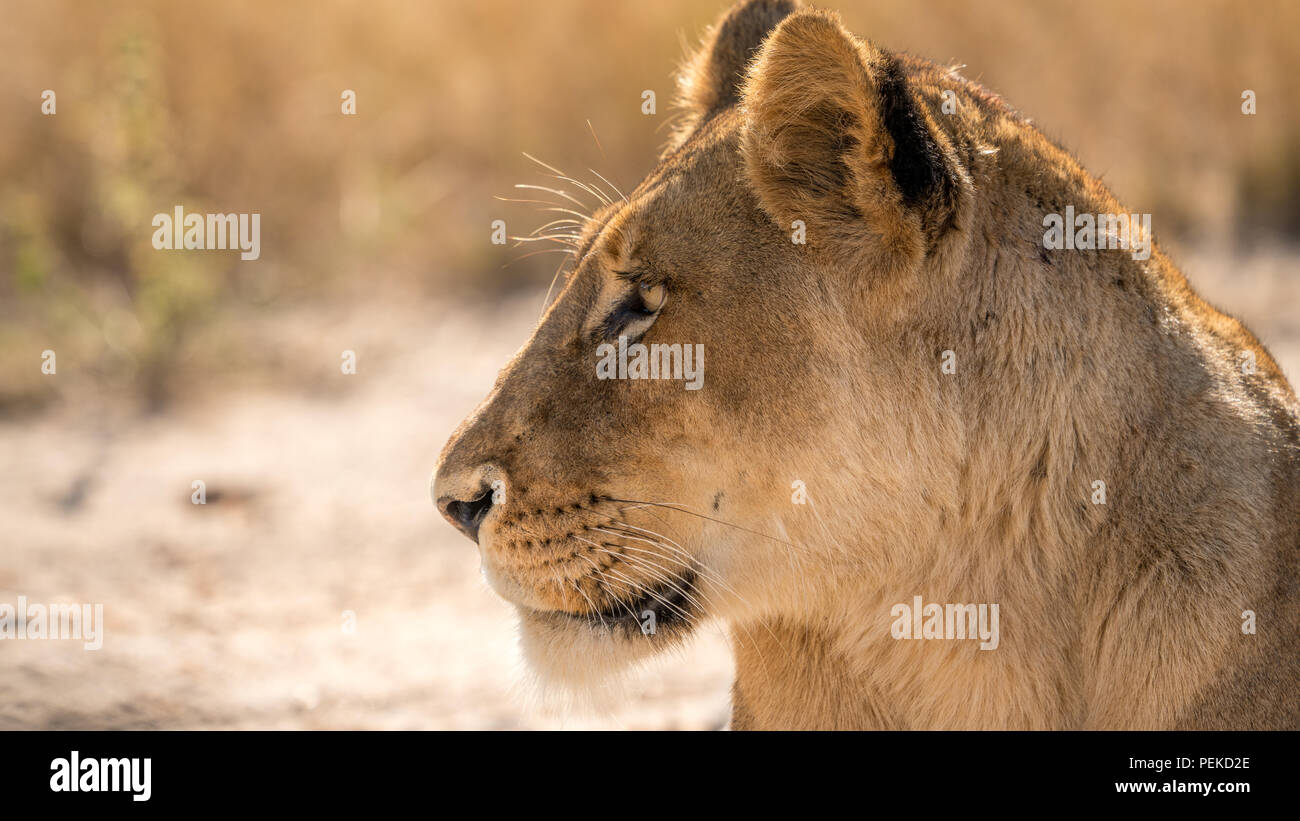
x,y
823,365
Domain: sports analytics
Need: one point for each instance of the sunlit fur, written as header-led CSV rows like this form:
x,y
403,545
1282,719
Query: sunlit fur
x,y
823,366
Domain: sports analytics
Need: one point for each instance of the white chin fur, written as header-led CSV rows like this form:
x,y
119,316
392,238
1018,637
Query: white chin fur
x,y
580,656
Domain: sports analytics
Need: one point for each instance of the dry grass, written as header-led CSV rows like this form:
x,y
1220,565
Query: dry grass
x,y
236,107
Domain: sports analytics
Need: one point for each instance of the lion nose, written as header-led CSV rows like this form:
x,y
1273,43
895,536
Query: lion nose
x,y
467,514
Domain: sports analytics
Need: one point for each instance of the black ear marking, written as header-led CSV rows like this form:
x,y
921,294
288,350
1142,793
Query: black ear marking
x,y
919,167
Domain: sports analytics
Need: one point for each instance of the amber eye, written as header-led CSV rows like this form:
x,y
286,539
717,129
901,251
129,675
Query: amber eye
x,y
653,297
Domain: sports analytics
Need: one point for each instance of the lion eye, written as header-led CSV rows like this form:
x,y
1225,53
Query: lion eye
x,y
653,297
634,315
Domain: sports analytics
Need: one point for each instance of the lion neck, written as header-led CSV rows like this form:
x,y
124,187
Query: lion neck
x,y
994,500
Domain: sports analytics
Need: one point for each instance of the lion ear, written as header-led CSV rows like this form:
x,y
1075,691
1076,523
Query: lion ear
x,y
712,78
834,137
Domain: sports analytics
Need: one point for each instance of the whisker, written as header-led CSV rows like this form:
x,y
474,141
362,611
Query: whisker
x,y
561,210
567,239
658,571
708,577
707,574
684,509
547,299
637,589
610,184
557,192
568,251
659,575
602,579
685,616
718,581
597,139
594,608
593,190
562,221
547,166
685,559
705,570
517,199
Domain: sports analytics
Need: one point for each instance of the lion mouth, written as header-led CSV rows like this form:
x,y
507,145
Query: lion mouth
x,y
670,604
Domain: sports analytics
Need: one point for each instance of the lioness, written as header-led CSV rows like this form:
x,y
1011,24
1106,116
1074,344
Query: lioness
x,y
909,395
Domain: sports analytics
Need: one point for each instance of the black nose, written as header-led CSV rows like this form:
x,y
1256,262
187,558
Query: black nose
x,y
467,515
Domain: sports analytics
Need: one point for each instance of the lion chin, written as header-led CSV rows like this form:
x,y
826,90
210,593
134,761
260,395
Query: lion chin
x,y
585,655
591,650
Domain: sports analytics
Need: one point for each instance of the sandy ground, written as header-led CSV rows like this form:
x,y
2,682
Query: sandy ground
x,y
231,614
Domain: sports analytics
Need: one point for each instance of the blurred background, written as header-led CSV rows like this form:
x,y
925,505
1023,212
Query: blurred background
x,y
175,367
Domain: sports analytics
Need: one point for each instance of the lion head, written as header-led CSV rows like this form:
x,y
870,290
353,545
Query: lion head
x,y
747,318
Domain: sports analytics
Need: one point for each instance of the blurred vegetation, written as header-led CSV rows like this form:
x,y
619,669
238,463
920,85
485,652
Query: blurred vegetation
x,y
235,107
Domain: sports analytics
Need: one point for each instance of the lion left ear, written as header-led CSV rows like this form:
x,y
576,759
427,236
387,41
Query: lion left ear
x,y
834,137
711,80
